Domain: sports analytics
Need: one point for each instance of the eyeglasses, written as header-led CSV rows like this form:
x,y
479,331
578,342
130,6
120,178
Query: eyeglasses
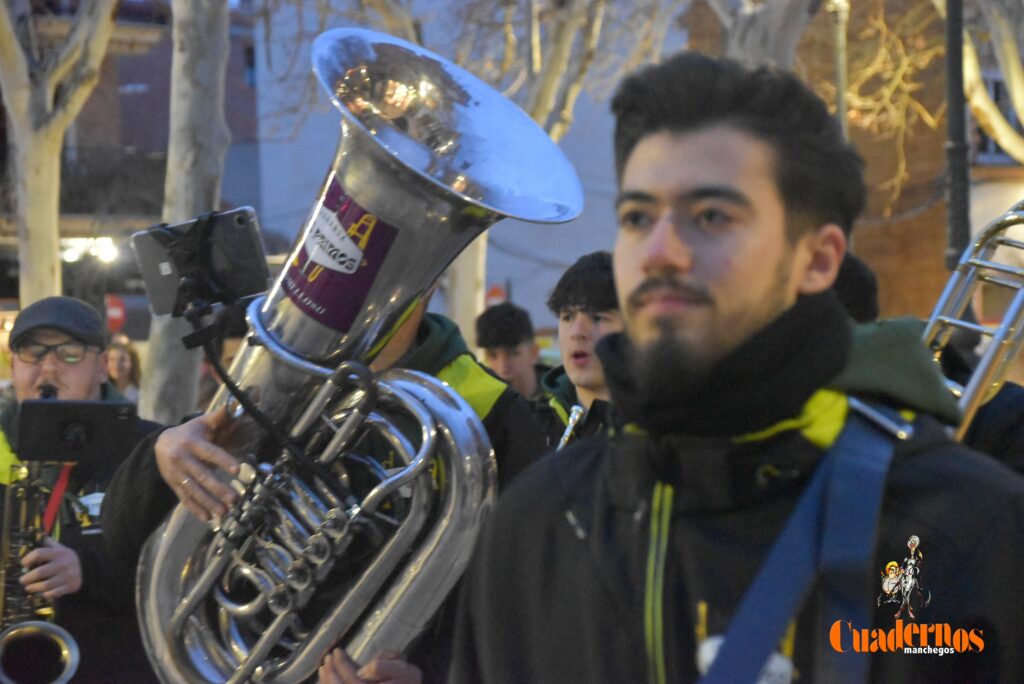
x,y
68,352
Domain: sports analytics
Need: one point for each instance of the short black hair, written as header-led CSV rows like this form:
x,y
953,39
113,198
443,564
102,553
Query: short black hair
x,y
503,325
857,289
588,285
819,175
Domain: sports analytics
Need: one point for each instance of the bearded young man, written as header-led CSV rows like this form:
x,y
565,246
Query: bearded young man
x,y
627,558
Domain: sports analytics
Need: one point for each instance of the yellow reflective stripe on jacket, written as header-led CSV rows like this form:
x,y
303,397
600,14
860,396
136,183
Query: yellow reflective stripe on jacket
x,y
558,409
7,460
479,388
654,593
820,421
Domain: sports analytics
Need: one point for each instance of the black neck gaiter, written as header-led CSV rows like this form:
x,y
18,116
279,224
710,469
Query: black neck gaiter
x,y
765,380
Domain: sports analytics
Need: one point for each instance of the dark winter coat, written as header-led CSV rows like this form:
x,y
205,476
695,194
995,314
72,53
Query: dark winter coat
x,y
562,589
555,406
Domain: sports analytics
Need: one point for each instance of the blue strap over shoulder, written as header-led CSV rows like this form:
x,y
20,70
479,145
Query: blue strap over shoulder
x,y
833,526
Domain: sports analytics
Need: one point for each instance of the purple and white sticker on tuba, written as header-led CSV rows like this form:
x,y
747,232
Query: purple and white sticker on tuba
x,y
331,273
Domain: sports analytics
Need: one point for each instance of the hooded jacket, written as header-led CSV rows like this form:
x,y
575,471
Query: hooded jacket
x,y
558,396
623,558
101,615
441,351
996,428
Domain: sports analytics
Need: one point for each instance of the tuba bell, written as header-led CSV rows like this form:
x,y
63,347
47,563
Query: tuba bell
x,y
984,261
329,543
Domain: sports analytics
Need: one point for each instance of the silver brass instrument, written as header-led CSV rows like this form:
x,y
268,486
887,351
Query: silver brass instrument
x,y
575,414
983,262
31,647
329,544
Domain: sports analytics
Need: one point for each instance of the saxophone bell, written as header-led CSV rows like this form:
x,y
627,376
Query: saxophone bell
x,y
37,652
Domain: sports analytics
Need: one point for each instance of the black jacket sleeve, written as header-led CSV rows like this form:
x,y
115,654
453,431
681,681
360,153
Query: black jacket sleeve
x,y
102,586
136,503
517,438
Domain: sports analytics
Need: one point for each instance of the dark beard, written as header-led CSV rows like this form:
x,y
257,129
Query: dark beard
x,y
667,367
665,390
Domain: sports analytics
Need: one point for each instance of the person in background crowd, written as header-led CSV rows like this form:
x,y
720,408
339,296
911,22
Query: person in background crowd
x,y
735,524
124,370
584,301
505,333
58,349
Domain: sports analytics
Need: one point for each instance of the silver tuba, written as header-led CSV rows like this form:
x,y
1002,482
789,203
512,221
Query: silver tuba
x,y
329,543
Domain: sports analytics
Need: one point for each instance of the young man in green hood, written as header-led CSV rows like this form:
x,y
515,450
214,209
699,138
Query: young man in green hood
x,y
505,334
587,309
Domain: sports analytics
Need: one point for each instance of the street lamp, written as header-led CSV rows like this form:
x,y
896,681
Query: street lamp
x,y
840,12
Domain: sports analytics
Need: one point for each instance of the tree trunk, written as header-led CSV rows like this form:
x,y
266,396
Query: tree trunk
x,y
466,284
43,91
563,36
196,149
35,169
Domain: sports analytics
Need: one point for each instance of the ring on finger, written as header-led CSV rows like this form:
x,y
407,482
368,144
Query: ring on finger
x,y
186,482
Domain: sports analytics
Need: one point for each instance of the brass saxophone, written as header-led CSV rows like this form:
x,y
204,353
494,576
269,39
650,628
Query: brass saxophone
x,y
32,648
329,543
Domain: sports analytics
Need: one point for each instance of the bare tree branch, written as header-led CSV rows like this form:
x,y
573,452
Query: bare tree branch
x,y
510,38
88,40
726,11
569,21
769,32
984,109
1004,27
575,87
397,19
536,56
660,30
15,81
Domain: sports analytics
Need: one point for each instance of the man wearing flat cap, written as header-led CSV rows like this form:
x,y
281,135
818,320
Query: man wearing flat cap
x,y
58,351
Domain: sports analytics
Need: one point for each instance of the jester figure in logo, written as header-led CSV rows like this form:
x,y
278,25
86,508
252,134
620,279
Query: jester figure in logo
x,y
890,584
910,588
